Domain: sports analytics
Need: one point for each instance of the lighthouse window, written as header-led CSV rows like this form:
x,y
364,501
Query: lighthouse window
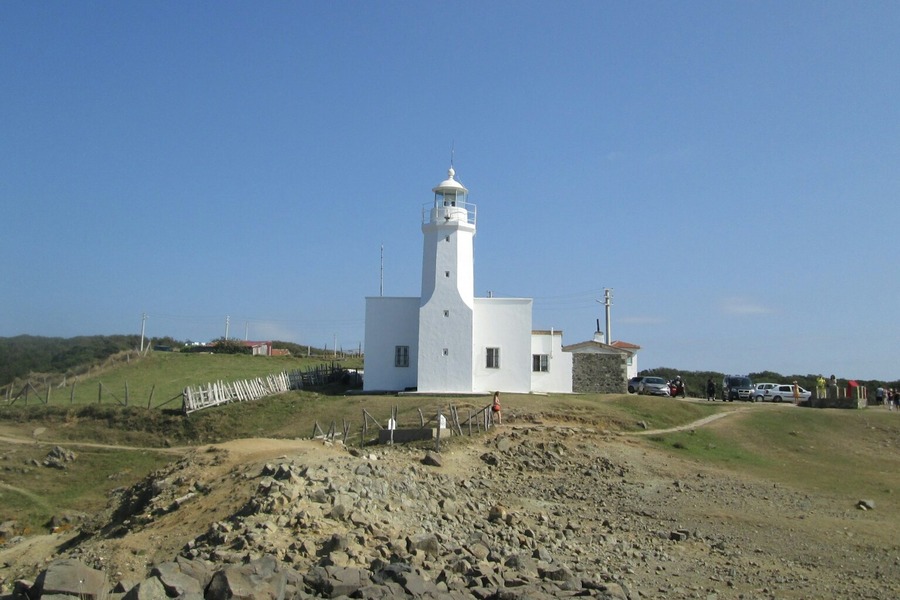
x,y
401,356
446,313
447,239
446,273
493,358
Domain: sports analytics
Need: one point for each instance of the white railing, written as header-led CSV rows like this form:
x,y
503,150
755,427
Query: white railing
x,y
436,212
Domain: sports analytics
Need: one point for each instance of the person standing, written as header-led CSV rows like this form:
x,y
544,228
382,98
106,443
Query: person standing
x,y
495,408
879,395
796,390
710,390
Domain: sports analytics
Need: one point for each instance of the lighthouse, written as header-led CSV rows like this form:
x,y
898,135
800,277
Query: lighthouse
x,y
447,304
446,340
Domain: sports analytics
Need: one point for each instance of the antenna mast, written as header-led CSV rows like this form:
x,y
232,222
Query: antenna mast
x,y
381,288
607,301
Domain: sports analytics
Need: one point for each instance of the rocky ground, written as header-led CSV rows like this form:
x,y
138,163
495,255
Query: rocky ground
x,y
530,510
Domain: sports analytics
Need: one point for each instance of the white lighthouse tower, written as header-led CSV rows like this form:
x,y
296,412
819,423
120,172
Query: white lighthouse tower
x,y
447,306
448,341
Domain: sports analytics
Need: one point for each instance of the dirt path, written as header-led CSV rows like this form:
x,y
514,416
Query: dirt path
x,y
694,425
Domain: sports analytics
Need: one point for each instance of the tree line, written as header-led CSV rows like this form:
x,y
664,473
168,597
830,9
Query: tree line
x,y
26,355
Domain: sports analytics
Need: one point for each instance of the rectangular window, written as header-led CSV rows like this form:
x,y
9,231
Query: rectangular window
x,y
493,358
401,356
540,363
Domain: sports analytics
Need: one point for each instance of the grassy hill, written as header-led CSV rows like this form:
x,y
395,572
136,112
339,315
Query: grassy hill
x,y
855,452
156,379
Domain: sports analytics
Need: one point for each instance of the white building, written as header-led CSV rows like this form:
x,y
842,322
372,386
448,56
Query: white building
x,y
449,341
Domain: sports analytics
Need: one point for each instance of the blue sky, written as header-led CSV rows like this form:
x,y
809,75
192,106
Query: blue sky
x,y
730,169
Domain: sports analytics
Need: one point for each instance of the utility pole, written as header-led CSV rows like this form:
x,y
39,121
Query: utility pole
x,y
227,324
607,301
381,288
335,346
143,325
246,330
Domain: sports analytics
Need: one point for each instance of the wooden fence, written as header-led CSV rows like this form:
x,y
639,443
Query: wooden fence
x,y
221,392
477,421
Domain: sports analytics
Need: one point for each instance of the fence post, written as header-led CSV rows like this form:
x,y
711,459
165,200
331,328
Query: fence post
x,y
126,392
365,430
150,401
47,401
72,393
437,438
99,392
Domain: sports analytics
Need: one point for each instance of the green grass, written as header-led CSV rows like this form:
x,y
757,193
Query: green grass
x,y
705,445
659,413
845,453
35,494
164,375
826,451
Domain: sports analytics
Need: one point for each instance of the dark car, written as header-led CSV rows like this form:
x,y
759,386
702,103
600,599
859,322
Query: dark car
x,y
737,387
633,384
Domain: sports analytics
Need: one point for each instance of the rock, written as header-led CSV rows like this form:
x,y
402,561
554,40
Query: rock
x,y
74,578
490,458
426,542
149,589
8,530
433,459
504,444
332,581
497,513
258,579
175,582
58,457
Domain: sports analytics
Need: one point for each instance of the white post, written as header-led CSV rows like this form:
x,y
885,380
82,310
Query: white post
x,y
607,296
143,324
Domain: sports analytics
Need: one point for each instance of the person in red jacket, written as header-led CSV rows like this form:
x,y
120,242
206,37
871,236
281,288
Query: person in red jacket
x,y
495,407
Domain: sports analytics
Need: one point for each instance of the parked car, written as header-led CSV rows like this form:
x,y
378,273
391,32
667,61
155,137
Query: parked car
x,y
654,386
736,387
784,392
759,391
633,384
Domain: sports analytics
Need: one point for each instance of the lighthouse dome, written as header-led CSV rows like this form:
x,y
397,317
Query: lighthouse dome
x,y
450,183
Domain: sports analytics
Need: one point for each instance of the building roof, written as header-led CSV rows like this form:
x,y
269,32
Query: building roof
x,y
450,183
625,345
593,346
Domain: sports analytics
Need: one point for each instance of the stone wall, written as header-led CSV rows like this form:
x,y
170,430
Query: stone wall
x,y
599,373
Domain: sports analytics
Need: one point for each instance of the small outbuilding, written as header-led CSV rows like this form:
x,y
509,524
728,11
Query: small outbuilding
x,y
598,367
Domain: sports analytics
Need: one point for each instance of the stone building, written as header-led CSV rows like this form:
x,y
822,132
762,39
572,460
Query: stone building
x,y
598,367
